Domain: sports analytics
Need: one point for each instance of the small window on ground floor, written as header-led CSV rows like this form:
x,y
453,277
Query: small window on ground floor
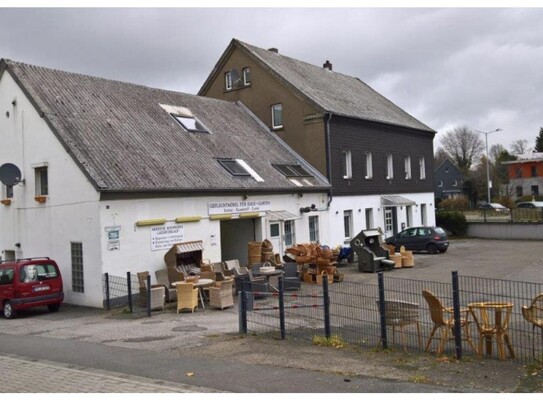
x,y
77,267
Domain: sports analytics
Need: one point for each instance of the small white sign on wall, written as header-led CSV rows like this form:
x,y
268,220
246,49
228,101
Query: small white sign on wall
x,y
164,237
113,237
219,208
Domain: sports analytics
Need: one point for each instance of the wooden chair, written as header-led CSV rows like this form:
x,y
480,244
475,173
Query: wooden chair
x,y
220,295
443,319
399,314
187,297
534,315
162,279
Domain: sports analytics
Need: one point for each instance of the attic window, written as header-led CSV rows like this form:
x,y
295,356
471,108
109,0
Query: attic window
x,y
190,124
291,170
234,168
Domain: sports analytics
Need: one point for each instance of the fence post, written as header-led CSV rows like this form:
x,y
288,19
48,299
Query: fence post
x,y
242,308
106,277
149,296
129,290
326,297
381,282
456,313
282,307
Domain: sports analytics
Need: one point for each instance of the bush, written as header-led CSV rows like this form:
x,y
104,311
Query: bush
x,y
458,203
506,201
453,222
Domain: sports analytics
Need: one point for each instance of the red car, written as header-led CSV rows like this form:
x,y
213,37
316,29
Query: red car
x,y
28,283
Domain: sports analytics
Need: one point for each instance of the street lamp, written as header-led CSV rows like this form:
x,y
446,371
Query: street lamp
x,y
486,133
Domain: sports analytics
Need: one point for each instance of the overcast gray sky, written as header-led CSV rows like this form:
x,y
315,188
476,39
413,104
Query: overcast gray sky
x,y
479,67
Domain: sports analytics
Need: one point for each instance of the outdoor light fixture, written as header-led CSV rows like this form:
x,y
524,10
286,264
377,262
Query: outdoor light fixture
x,y
486,133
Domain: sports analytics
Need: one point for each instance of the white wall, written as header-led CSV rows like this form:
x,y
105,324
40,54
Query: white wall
x,y
71,210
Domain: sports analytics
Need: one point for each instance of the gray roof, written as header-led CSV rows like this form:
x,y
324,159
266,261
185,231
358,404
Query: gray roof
x,y
124,141
330,91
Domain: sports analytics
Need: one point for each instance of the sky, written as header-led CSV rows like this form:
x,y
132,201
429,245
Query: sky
x,y
480,67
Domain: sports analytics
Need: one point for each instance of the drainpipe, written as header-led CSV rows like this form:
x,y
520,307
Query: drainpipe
x,y
328,158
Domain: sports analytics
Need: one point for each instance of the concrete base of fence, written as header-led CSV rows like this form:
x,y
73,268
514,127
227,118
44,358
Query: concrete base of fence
x,y
509,231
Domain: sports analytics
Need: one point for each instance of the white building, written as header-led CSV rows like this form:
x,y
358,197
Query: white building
x,y
114,173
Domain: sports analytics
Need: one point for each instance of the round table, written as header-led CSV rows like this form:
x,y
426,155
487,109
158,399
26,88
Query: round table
x,y
268,274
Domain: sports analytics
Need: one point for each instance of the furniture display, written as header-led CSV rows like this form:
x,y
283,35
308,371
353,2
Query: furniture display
x,y
373,254
492,320
291,277
229,266
162,279
200,284
220,295
142,280
259,285
187,296
534,315
399,314
158,297
241,278
443,319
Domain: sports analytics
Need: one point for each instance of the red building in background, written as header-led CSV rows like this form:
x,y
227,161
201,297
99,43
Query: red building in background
x,y
526,174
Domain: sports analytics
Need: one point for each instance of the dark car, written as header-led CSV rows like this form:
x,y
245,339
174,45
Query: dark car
x,y
422,238
530,204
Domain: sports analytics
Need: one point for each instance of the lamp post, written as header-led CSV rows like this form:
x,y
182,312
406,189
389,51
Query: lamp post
x,y
486,133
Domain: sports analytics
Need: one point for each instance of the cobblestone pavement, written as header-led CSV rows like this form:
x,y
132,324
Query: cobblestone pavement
x,y
33,376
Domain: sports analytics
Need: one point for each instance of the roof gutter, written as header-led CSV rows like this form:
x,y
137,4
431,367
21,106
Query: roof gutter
x,y
328,157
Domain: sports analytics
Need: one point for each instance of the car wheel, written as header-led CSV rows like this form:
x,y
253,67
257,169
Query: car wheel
x,y
8,310
432,248
53,307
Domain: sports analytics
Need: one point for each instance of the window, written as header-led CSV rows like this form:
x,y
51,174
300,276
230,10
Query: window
x,y
422,168
534,171
455,183
519,191
292,170
409,215
535,190
77,267
390,166
407,164
246,76
42,185
440,183
347,164
277,116
274,230
6,276
191,124
234,167
348,223
228,81
518,172
369,166
290,237
314,228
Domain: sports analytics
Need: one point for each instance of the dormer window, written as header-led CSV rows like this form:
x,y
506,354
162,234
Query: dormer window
x,y
246,76
228,81
191,124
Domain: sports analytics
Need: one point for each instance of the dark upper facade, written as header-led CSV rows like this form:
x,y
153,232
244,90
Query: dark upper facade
x,y
128,138
360,140
449,180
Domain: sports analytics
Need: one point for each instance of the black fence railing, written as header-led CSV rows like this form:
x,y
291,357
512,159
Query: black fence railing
x,y
515,215
449,318
124,292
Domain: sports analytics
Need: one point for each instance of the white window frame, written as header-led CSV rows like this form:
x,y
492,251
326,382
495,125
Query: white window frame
x,y
390,166
289,233
369,166
228,81
422,168
348,215
275,125
407,163
41,190
347,164
244,73
313,228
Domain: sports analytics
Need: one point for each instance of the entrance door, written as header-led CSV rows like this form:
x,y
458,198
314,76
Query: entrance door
x,y
389,222
274,236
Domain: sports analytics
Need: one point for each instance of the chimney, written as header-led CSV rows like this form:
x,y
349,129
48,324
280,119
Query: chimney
x,y
273,50
327,65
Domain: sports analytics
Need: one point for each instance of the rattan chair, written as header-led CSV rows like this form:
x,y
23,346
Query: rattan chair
x,y
187,297
399,314
443,319
162,279
142,280
220,295
229,267
534,315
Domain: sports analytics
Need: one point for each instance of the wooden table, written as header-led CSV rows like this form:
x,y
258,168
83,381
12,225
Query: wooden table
x,y
200,284
492,320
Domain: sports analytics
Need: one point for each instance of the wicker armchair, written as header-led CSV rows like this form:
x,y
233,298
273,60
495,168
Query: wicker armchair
x,y
220,296
399,314
443,319
162,279
187,297
534,315
155,294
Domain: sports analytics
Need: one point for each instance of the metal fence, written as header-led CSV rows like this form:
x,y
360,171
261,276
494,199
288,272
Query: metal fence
x,y
392,313
124,292
518,215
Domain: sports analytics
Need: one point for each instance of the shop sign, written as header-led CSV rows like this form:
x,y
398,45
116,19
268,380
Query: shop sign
x,y
219,208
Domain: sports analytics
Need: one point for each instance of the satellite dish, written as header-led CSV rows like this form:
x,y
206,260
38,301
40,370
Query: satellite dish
x,y
236,78
10,174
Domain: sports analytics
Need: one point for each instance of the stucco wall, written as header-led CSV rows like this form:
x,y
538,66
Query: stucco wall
x,y
511,231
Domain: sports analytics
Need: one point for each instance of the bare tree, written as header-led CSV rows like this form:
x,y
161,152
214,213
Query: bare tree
x,y
463,145
439,156
519,147
495,152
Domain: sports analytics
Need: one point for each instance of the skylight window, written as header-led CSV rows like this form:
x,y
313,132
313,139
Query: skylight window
x,y
191,124
234,168
292,170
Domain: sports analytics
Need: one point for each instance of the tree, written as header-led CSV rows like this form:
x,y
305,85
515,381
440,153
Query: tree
x,y
539,141
519,147
463,145
439,156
